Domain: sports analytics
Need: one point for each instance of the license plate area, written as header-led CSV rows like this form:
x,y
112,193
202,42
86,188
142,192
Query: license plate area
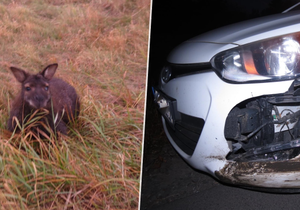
x,y
167,107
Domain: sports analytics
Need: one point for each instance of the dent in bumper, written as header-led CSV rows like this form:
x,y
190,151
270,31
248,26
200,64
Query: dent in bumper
x,y
279,174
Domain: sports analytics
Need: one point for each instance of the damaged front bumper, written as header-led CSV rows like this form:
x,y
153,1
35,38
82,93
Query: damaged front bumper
x,y
276,174
265,142
248,138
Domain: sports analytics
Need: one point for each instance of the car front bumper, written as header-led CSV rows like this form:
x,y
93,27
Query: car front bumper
x,y
195,96
275,174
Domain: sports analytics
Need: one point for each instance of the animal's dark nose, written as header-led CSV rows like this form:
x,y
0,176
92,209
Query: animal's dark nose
x,y
38,98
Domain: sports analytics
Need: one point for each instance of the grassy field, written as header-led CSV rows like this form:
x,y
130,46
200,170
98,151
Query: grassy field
x,y
101,49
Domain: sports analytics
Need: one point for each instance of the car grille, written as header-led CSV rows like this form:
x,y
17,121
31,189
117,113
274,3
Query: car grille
x,y
187,132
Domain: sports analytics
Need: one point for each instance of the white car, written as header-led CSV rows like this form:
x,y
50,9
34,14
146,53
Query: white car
x,y
230,102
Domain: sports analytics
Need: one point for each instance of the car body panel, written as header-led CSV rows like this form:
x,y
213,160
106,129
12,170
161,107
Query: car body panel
x,y
212,147
196,52
280,174
202,48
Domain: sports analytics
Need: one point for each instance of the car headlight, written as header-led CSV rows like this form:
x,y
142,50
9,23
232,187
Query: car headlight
x,y
273,59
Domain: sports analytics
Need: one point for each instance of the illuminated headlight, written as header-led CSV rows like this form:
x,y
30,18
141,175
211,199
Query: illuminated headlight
x,y
273,59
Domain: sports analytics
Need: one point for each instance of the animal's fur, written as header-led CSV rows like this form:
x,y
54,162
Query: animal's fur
x,y
42,91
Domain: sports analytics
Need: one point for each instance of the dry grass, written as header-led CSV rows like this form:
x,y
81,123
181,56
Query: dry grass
x,y
101,49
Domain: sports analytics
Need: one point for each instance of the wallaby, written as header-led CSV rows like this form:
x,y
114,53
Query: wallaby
x,y
42,91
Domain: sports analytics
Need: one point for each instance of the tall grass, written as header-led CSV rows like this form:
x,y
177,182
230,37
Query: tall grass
x,y
101,49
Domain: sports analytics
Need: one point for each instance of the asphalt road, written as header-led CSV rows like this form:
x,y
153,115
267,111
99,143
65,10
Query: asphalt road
x,y
168,183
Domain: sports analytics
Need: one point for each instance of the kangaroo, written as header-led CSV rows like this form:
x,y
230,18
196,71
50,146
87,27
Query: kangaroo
x,y
43,92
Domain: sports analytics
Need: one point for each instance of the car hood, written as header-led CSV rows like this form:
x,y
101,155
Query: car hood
x,y
202,48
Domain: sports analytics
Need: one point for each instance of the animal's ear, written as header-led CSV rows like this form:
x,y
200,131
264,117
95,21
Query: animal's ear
x,y
49,71
19,74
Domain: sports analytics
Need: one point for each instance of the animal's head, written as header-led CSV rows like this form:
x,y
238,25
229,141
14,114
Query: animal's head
x,y
35,88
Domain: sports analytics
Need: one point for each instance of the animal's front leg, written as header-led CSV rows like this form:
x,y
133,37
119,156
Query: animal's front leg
x,y
11,123
62,128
